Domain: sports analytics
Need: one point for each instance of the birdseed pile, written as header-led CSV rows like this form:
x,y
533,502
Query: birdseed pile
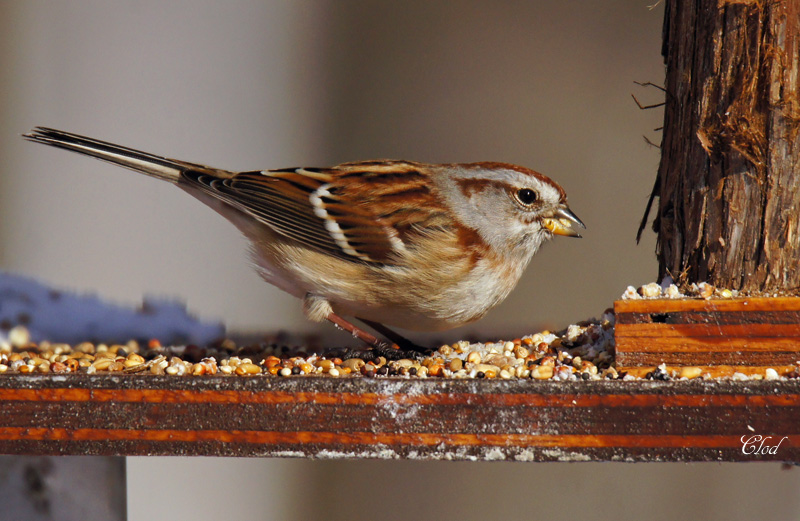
x,y
582,351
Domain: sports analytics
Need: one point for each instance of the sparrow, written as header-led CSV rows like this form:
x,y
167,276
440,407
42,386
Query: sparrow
x,y
426,247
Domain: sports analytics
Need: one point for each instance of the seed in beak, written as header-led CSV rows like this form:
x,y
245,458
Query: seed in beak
x,y
563,222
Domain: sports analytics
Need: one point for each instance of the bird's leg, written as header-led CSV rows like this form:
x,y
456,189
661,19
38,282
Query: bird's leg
x,y
402,342
354,330
318,308
377,347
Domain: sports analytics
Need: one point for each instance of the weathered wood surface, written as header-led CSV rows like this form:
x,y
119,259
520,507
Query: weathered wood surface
x,y
729,178
321,417
722,336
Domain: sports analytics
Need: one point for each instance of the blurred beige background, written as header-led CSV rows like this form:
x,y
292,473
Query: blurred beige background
x,y
247,85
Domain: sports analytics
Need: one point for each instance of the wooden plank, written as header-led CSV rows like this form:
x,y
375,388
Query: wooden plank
x,y
711,371
318,417
758,332
700,344
753,334
768,304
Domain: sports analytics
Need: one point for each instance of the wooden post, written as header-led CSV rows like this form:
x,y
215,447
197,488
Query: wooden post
x,y
729,194
729,178
44,488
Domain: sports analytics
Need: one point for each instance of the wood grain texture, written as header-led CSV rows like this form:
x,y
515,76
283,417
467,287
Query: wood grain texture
x,y
717,335
321,417
728,182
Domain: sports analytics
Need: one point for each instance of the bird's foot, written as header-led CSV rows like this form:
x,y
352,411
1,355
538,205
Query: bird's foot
x,y
374,352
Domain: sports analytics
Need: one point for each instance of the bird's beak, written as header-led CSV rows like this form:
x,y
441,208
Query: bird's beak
x,y
563,222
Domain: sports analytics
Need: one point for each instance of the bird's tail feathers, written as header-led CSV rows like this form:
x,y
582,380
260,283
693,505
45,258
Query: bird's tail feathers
x,y
149,164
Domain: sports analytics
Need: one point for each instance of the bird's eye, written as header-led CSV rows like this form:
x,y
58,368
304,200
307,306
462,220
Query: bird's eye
x,y
526,196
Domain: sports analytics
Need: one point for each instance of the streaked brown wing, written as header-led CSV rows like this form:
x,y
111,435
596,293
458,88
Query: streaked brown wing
x,y
351,212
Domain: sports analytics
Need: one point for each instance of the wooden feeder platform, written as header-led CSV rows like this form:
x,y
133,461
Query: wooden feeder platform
x,y
426,419
702,419
718,336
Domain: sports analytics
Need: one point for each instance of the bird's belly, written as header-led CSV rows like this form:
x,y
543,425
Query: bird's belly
x,y
437,299
431,306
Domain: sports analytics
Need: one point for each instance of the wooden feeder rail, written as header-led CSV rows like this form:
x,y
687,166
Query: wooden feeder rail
x,y
720,336
430,419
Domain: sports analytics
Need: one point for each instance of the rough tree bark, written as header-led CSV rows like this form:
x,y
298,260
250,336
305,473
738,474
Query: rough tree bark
x,y
729,179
